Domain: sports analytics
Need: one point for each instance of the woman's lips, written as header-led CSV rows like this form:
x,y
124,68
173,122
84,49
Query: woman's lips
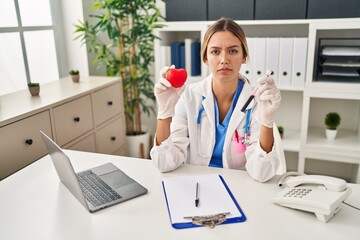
x,y
224,70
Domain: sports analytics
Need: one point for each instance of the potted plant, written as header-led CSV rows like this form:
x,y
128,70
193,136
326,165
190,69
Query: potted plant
x,y
281,130
126,50
332,121
75,75
34,89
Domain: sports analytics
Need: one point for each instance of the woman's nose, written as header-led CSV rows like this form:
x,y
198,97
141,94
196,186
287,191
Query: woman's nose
x,y
224,58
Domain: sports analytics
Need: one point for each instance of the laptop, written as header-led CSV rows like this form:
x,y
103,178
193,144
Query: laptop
x,y
95,188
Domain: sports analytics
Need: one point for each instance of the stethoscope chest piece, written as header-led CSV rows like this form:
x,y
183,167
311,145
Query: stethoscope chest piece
x,y
246,140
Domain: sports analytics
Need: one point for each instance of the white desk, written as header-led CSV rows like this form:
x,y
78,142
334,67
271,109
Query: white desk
x,y
35,205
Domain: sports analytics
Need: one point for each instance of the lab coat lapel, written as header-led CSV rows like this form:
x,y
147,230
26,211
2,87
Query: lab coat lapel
x,y
237,116
208,104
205,90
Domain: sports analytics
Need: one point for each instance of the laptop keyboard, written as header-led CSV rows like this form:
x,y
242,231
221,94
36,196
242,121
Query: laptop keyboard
x,y
96,191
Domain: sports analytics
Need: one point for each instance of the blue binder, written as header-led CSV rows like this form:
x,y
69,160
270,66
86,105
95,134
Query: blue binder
x,y
190,224
195,59
175,48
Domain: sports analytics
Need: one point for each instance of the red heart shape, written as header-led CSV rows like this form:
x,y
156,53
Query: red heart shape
x,y
177,77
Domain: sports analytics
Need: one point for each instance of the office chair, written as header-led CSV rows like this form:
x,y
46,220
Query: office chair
x,y
280,151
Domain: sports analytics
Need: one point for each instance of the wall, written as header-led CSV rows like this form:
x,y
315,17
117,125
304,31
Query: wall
x,y
72,12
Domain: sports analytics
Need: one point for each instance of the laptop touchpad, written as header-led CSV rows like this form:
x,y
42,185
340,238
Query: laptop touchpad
x,y
116,179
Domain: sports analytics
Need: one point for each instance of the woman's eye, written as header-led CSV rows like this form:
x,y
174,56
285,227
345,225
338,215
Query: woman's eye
x,y
233,51
215,52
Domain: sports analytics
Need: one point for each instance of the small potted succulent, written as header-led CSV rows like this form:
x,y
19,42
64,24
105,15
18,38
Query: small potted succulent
x,y
332,121
75,75
281,130
34,89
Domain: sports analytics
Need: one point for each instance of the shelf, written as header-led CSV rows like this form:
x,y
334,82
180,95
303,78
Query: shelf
x,y
346,143
333,90
291,141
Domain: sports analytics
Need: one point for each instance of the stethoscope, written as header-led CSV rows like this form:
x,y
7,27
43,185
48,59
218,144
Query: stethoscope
x,y
246,138
245,141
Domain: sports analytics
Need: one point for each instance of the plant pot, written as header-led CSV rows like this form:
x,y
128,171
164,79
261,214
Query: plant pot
x,y
138,146
330,134
75,78
34,91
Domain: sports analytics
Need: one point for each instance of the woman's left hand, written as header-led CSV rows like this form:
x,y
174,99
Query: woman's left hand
x,y
269,101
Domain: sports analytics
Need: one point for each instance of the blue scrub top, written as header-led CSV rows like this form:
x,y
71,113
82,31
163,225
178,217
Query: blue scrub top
x,y
221,128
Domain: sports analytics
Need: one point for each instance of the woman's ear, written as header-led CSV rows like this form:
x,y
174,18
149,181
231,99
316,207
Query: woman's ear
x,y
244,60
205,61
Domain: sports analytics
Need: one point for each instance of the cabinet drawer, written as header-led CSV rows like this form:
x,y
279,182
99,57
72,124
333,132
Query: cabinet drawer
x,y
21,142
107,103
186,10
280,9
73,119
111,137
235,9
87,144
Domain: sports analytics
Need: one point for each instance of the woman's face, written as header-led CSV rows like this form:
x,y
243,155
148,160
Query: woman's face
x,y
224,55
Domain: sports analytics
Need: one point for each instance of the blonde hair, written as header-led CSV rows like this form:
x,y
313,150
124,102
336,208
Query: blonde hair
x,y
224,24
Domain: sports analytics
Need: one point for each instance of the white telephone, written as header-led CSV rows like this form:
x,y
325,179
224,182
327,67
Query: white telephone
x,y
313,193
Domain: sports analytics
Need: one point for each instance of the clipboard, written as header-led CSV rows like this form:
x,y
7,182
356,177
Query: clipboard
x,y
217,203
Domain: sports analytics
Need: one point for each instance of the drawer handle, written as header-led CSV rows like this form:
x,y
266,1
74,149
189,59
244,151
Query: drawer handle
x,y
113,138
76,119
298,74
29,141
110,103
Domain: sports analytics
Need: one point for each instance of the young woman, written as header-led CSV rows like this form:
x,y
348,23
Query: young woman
x,y
203,123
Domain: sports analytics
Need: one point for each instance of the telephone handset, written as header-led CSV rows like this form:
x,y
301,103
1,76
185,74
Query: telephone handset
x,y
322,195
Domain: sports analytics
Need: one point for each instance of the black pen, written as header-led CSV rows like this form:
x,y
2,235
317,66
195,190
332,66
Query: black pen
x,y
197,195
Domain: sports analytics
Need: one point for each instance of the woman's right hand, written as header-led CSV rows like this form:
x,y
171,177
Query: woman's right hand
x,y
166,95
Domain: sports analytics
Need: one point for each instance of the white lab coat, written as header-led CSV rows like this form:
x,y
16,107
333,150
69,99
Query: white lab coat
x,y
193,143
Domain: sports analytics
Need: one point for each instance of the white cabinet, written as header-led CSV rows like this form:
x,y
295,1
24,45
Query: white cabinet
x,y
108,102
73,119
305,101
21,142
86,116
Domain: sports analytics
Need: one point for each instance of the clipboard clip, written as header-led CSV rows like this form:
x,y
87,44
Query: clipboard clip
x,y
210,220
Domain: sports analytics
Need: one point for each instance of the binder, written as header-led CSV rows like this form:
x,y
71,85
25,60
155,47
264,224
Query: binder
x,y
165,56
258,65
246,68
175,53
285,61
188,43
217,204
182,56
272,57
299,62
195,59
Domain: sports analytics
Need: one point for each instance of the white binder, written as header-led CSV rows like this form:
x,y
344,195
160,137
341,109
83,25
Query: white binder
x,y
165,56
272,57
285,61
245,69
299,62
258,66
188,42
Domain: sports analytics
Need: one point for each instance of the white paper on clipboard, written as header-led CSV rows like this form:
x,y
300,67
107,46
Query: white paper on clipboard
x,y
214,197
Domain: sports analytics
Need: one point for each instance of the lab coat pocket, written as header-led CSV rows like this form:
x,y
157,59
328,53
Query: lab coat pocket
x,y
237,150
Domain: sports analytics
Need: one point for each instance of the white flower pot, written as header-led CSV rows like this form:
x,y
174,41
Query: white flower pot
x,y
138,146
330,134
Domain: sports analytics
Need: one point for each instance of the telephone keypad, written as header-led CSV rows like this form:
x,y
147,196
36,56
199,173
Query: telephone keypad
x,y
297,192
